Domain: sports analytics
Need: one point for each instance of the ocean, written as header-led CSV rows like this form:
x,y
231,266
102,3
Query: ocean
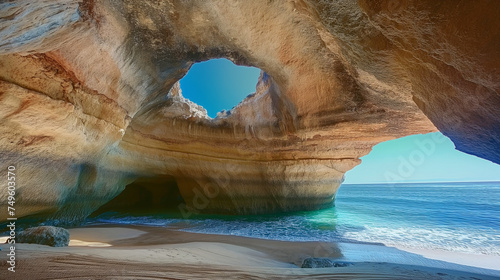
x,y
458,217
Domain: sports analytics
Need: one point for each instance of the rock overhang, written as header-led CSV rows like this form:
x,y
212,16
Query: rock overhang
x,y
95,98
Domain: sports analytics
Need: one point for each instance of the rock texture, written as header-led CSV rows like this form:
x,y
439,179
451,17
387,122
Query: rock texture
x,y
446,52
44,235
322,263
89,101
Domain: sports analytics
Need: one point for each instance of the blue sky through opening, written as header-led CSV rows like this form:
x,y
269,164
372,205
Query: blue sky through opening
x,y
421,158
218,84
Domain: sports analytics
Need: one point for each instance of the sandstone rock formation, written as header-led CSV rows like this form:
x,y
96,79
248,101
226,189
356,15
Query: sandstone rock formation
x,y
44,235
89,101
323,262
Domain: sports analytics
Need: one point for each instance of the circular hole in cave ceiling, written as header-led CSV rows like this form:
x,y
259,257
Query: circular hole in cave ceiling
x,y
218,84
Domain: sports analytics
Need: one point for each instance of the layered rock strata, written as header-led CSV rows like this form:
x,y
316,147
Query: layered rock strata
x,y
90,102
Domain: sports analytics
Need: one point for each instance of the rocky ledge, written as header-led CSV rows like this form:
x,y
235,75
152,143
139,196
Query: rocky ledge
x,y
89,100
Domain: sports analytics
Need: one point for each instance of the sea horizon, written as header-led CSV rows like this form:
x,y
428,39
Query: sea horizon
x,y
421,182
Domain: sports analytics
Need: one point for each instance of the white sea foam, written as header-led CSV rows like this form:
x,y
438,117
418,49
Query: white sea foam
x,y
474,242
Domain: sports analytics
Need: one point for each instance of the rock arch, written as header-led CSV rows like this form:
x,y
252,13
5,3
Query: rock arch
x,y
94,82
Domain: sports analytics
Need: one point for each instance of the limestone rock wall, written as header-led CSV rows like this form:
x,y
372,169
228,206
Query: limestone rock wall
x,y
445,52
89,101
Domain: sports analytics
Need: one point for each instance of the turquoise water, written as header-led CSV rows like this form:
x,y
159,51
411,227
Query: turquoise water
x,y
462,217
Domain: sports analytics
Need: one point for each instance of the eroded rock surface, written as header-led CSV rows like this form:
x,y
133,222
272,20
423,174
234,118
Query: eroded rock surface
x,y
323,262
44,235
89,101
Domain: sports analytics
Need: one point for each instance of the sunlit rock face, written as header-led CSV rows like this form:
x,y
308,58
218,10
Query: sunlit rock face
x,y
89,100
444,52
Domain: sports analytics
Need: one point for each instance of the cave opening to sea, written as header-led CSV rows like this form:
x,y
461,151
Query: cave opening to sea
x,y
218,84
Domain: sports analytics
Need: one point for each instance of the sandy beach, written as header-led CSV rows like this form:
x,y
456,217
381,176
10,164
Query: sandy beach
x,y
138,252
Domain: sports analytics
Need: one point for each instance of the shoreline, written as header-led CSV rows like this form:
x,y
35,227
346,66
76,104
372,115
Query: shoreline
x,y
120,251
480,261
